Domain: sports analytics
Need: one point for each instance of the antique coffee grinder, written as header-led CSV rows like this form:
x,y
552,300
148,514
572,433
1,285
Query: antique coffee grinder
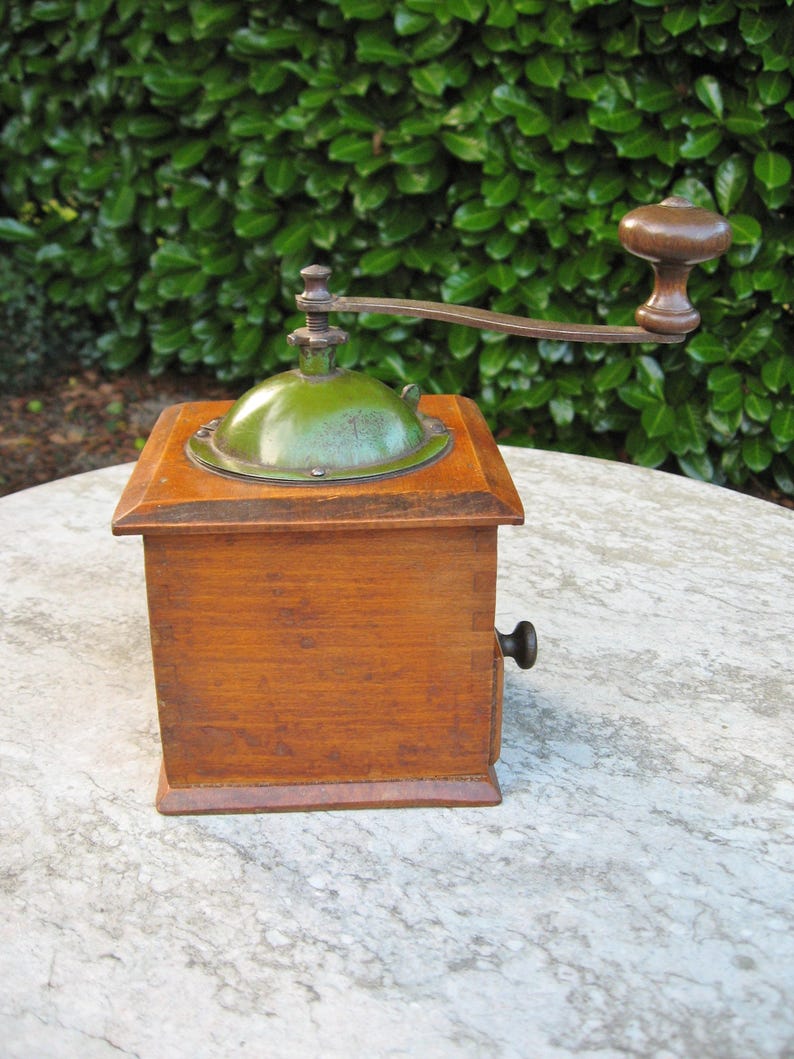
x,y
321,564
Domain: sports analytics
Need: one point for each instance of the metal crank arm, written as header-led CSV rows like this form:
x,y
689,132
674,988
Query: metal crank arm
x,y
673,235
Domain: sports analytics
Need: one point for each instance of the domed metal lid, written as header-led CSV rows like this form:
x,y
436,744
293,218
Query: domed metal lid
x,y
320,422
302,428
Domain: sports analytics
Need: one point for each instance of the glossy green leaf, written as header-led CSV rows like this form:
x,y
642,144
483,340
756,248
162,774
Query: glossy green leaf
x,y
251,123
173,257
758,408
364,9
745,121
782,425
189,154
757,26
414,153
372,47
464,286
369,195
724,379
706,349
179,285
253,224
267,77
529,115
436,41
554,352
51,10
207,14
207,214
292,239
595,264
652,453
246,41
753,338
783,474
700,143
171,83
220,262
469,10
547,69
170,336
65,141
280,174
746,230
420,180
773,87
607,185
756,454
502,244
407,22
502,276
728,400
379,261
641,142
119,352
697,465
150,126
501,191
679,19
654,95
540,393
658,419
430,79
493,360
350,147
689,434
469,147
612,374
709,92
777,372
726,423
562,410
246,341
615,116
462,341
730,180
118,206
14,231
772,169
635,395
475,216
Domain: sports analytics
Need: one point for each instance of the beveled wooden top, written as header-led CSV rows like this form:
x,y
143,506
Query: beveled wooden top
x,y
167,492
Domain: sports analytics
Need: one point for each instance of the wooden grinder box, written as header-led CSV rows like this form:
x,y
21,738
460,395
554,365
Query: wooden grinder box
x,y
324,645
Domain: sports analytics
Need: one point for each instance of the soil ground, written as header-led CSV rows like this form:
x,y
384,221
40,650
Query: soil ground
x,y
85,419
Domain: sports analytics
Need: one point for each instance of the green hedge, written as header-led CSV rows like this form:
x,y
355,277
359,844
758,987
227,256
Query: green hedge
x,y
168,166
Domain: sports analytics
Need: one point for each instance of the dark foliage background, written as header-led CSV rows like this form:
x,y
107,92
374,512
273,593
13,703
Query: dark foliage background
x,y
168,166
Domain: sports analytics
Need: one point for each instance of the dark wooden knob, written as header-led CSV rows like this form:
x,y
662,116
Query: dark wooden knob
x,y
674,236
521,644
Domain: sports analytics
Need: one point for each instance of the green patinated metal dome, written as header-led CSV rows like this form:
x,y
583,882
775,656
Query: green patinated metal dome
x,y
320,422
304,427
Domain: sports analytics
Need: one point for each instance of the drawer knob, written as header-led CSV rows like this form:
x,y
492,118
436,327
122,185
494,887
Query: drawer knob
x,y
521,644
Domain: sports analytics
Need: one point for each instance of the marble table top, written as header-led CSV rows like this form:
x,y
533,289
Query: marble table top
x,y
633,894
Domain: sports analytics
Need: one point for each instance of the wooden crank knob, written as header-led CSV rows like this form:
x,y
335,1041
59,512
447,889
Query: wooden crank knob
x,y
674,236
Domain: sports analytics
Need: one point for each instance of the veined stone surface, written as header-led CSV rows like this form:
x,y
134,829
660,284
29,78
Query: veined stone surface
x,y
633,894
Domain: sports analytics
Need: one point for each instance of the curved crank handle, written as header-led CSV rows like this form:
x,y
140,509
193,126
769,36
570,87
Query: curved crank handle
x,y
521,644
